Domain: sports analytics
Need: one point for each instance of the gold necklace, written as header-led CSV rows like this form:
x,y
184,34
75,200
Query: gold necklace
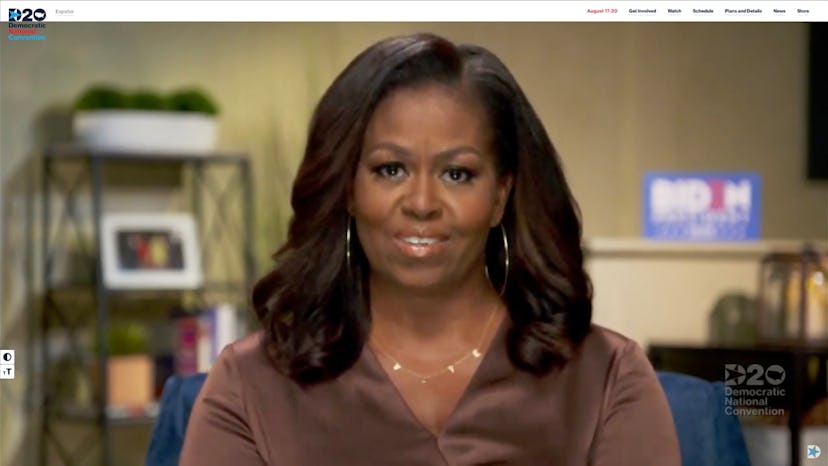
x,y
448,369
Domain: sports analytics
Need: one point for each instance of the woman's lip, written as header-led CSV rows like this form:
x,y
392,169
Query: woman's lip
x,y
421,234
420,250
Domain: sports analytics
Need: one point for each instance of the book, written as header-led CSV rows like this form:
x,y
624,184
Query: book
x,y
202,336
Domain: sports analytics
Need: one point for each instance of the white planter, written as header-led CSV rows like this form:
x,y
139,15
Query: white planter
x,y
145,131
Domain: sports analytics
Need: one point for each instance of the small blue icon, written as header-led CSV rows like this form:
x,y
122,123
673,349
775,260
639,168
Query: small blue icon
x,y
13,15
814,451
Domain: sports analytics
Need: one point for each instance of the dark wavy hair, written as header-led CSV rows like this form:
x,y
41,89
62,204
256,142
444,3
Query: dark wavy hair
x,y
313,305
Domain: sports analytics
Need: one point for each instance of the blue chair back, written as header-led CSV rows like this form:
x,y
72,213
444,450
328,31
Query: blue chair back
x,y
707,436
176,403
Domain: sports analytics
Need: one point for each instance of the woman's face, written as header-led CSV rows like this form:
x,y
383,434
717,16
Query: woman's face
x,y
426,190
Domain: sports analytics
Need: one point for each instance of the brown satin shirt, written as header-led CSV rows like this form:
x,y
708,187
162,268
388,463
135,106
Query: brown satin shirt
x,y
605,407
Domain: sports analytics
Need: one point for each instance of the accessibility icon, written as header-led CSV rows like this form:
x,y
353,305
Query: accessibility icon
x,y
814,451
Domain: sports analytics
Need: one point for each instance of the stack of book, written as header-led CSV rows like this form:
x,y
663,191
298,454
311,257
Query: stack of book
x,y
201,335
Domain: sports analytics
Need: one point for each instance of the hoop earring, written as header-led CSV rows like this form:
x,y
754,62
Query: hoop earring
x,y
506,262
348,244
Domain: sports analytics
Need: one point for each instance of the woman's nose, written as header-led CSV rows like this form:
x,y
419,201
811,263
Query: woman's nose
x,y
422,201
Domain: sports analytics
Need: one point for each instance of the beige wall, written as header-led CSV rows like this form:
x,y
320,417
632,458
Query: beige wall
x,y
617,99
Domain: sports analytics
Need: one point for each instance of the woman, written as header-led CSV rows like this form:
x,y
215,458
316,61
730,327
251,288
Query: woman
x,y
430,306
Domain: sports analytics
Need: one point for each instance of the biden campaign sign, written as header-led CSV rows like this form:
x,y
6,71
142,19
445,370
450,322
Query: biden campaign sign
x,y
682,206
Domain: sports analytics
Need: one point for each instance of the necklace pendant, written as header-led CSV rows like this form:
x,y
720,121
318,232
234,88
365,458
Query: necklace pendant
x,y
397,366
475,353
451,368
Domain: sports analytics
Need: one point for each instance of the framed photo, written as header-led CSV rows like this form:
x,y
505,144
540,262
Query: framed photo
x,y
150,251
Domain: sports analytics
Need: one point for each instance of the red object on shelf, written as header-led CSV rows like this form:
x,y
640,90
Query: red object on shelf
x,y
186,348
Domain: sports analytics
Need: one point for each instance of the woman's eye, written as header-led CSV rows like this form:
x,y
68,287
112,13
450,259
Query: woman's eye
x,y
457,175
389,170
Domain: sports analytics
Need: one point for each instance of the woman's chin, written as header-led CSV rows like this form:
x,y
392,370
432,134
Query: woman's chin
x,y
420,281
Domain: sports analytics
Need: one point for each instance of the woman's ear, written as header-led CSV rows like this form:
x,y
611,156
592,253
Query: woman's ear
x,y
504,189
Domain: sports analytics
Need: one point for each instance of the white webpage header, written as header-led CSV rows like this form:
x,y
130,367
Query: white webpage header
x,y
18,13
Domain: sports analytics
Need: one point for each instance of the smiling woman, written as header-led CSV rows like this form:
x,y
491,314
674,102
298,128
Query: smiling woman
x,y
431,287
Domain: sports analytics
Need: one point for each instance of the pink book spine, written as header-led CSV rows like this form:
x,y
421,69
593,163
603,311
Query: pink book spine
x,y
186,350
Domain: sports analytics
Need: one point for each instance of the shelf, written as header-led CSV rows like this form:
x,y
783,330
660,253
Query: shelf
x,y
643,248
209,287
79,185
77,303
73,152
116,415
757,349
85,295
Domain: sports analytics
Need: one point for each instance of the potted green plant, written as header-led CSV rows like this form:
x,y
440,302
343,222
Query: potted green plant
x,y
107,118
130,368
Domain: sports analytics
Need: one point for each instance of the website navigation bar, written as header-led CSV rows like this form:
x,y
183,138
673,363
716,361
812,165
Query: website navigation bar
x,y
412,11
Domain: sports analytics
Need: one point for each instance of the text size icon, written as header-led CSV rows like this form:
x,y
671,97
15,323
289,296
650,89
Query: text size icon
x,y
814,451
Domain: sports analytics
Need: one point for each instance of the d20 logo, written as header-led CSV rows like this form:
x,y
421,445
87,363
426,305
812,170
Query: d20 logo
x,y
734,374
27,14
775,375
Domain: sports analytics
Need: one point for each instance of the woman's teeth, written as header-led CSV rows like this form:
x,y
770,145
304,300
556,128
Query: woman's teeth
x,y
420,241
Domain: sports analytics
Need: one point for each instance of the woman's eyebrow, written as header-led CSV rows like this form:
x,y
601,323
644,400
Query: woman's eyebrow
x,y
441,156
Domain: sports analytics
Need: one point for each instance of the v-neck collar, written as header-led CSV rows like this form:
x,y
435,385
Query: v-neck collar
x,y
495,365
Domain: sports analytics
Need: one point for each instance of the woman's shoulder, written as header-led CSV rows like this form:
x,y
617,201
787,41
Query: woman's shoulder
x,y
249,346
630,408
610,349
245,370
247,359
249,354
601,338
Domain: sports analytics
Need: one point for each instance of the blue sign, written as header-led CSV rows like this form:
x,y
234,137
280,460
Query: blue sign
x,y
680,206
